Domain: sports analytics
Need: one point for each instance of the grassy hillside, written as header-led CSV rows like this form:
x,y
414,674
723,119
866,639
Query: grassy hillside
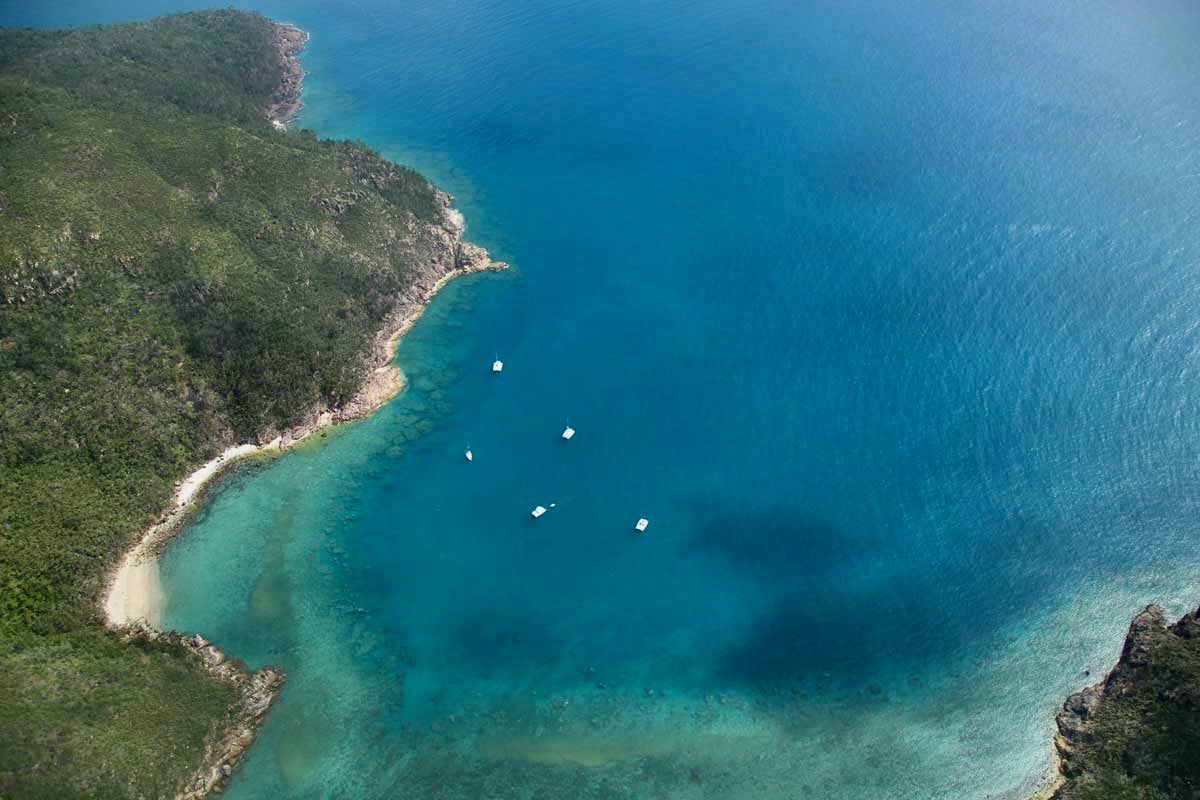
x,y
175,275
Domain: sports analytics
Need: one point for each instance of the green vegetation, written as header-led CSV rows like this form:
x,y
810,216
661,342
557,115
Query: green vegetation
x,y
1140,738
175,275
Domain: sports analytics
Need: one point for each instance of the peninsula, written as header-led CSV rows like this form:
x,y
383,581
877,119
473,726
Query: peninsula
x,y
182,281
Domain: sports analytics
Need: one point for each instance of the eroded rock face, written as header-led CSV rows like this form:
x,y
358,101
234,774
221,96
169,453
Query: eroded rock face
x,y
1188,627
1074,724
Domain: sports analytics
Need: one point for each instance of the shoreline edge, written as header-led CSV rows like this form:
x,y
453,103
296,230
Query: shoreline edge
x,y
132,598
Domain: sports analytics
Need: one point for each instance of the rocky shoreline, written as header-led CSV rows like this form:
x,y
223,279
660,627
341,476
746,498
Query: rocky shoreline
x,y
259,691
452,258
288,41
1077,721
447,257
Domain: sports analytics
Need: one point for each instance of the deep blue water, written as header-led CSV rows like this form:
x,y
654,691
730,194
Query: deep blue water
x,y
887,318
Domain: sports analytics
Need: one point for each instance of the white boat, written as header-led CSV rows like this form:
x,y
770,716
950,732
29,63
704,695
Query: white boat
x,y
497,365
641,525
569,432
537,512
470,456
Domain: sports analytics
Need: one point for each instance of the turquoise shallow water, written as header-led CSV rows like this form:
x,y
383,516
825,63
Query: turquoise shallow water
x,y
886,318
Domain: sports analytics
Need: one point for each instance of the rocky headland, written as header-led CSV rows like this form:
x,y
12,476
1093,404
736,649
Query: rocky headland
x,y
444,256
257,692
1135,733
288,41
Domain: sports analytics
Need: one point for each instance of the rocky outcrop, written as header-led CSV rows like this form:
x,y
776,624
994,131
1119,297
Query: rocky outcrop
x,y
1075,721
257,693
1148,639
448,256
285,104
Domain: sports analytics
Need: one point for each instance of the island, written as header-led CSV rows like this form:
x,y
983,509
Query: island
x,y
183,279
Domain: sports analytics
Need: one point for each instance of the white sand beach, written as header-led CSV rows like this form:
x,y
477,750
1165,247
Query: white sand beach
x,y
135,593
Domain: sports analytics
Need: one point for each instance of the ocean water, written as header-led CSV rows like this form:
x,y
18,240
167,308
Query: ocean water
x,y
888,319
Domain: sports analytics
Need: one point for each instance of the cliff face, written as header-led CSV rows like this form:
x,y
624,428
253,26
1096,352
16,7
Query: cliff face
x,y
1137,733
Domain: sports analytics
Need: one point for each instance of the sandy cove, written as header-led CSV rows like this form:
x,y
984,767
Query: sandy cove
x,y
134,592
133,598
135,595
133,602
